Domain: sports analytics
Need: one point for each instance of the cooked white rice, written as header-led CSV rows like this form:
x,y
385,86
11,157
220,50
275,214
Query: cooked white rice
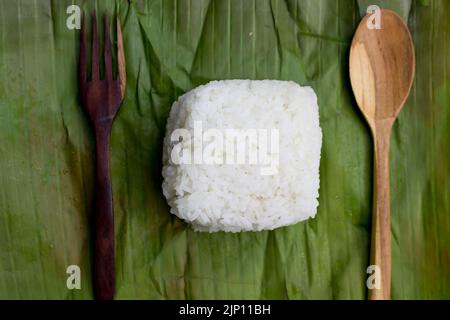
x,y
238,197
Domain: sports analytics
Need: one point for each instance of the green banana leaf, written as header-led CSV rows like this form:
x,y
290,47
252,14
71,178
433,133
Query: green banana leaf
x,y
171,46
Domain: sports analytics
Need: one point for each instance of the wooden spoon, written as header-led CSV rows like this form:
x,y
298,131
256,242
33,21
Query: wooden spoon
x,y
382,66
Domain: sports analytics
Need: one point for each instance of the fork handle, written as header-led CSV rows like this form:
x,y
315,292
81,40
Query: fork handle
x,y
104,269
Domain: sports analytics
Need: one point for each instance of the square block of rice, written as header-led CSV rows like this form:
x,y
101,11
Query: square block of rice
x,y
242,155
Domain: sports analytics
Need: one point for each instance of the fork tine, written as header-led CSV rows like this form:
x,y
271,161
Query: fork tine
x,y
120,60
82,63
107,50
95,63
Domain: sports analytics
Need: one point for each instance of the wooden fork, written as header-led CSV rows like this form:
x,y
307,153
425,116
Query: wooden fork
x,y
101,99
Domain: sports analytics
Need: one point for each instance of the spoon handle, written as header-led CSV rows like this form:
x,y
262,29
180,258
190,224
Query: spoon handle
x,y
381,220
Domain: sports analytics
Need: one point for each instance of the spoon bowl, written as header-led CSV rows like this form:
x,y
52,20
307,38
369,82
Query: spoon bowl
x,y
382,67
